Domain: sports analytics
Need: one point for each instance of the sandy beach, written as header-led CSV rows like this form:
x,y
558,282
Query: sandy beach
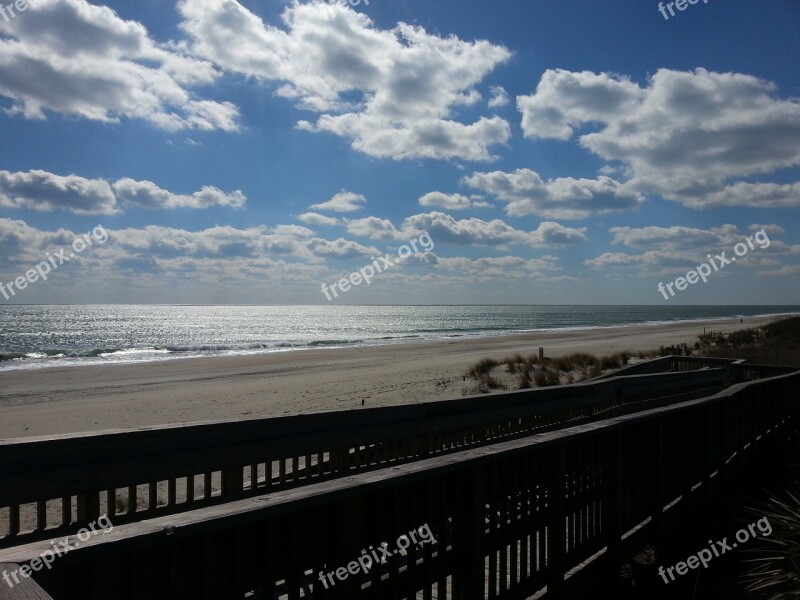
x,y
90,398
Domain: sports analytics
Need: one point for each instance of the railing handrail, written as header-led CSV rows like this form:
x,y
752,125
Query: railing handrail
x,y
738,367
50,466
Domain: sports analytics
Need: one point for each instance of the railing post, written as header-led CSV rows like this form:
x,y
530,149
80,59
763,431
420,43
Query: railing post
x,y
340,460
557,542
88,507
725,448
614,494
232,480
469,578
713,454
658,517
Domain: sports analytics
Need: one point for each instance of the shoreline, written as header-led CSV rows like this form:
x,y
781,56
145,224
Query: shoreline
x,y
71,399
166,355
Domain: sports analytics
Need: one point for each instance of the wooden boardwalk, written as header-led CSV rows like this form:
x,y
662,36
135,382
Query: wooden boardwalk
x,y
498,480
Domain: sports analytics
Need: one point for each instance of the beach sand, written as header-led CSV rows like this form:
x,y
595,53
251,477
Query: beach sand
x,y
90,398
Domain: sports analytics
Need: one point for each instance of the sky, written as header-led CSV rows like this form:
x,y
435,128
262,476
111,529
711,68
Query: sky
x,y
552,151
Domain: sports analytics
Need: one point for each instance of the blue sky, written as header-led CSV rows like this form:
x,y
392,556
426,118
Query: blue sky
x,y
569,152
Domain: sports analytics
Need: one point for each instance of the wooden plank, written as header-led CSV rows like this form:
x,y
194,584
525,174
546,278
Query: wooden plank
x,y
469,544
152,495
13,520
24,588
88,506
66,510
557,532
207,485
171,491
41,515
133,499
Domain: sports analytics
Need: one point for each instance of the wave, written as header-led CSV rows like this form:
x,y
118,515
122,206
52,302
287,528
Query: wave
x,y
22,357
318,343
144,352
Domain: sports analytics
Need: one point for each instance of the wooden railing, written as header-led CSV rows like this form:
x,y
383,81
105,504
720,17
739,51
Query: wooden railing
x,y
509,519
56,484
736,369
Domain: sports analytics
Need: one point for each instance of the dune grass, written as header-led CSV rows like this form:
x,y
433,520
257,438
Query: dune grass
x,y
777,343
774,573
526,372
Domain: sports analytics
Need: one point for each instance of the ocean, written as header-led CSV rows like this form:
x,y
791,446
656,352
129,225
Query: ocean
x,y
37,336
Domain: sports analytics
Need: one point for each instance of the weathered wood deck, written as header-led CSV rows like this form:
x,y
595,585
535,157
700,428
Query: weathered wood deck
x,y
496,492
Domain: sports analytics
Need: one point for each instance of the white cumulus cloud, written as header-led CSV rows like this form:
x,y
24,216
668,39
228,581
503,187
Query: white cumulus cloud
x,y
391,92
447,229
451,201
344,201
43,191
81,60
690,136
526,193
